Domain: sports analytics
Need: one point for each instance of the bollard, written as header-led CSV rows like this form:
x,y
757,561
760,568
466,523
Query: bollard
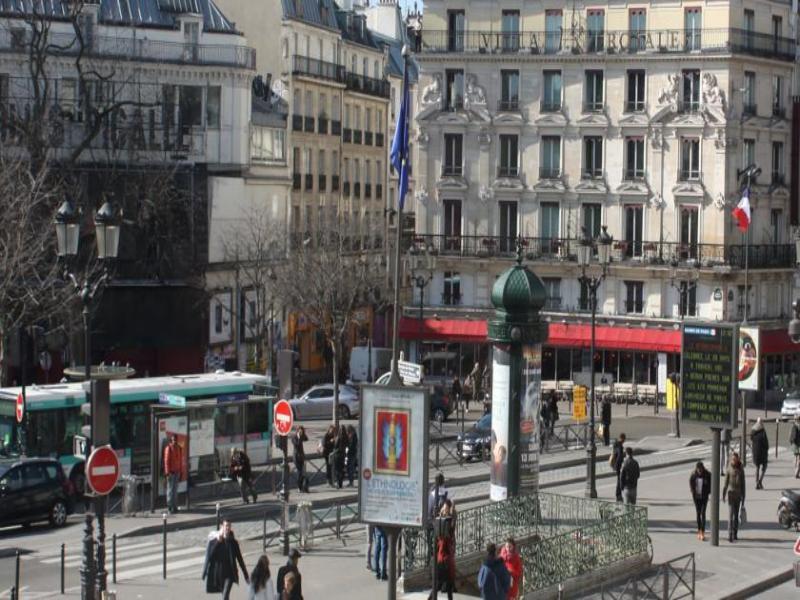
x,y
63,556
164,547
777,426
338,521
218,515
626,405
114,558
16,577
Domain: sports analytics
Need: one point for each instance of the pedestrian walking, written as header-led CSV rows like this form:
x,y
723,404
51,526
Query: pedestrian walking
x,y
455,391
339,455
437,496
242,472
381,550
352,454
794,440
629,477
290,582
605,419
734,492
446,551
700,488
552,409
544,417
173,465
223,555
326,447
261,585
760,446
616,459
513,562
725,449
300,457
493,578
475,378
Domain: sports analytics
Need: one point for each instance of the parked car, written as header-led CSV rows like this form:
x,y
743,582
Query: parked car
x,y
317,402
34,489
441,405
790,408
477,441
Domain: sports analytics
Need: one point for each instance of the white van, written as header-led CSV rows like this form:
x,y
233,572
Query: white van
x,y
360,363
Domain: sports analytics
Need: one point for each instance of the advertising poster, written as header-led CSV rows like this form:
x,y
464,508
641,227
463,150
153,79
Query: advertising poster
x,y
749,358
708,375
394,456
501,382
529,434
166,428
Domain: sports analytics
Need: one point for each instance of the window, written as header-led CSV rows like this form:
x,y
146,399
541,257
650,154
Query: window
x,y
591,219
296,168
777,163
191,106
334,170
346,174
510,28
691,90
309,113
549,227
776,225
552,37
455,30
322,185
689,228
595,30
748,152
692,26
583,296
267,144
454,99
508,226
635,100
367,119
452,220
356,124
552,286
690,159
593,101
34,474
777,31
637,29
634,221
749,28
634,158
634,296
379,180
309,176
687,299
213,105
552,91
592,157
508,156
509,90
453,154
452,288
551,157
67,96
778,109
749,107
744,298
357,178
336,122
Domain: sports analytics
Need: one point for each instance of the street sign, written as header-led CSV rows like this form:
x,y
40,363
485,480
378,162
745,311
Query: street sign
x,y
102,470
579,403
283,418
410,373
172,400
797,547
79,445
20,408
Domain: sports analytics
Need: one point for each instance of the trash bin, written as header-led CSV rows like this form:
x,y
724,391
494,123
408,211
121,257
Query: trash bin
x,y
130,494
305,524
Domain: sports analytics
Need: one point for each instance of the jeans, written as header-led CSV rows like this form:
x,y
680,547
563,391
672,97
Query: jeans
x,y
619,489
733,517
172,492
226,589
245,486
302,480
446,584
381,549
700,505
629,495
370,539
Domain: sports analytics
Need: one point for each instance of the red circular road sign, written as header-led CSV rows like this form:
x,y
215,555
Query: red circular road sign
x,y
102,470
283,418
20,408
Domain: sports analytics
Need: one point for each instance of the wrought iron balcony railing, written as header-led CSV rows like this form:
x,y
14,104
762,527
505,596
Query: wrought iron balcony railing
x,y
550,107
322,125
320,69
635,106
368,85
549,172
508,171
452,170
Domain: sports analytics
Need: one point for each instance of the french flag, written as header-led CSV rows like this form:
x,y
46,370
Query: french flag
x,y
742,211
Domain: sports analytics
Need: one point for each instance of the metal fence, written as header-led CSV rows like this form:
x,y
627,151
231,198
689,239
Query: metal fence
x,y
672,580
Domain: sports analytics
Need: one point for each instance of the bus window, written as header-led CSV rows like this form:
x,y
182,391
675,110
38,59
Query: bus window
x,y
51,432
130,430
258,417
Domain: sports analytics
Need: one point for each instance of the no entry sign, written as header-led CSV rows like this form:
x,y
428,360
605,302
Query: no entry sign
x,y
102,470
283,419
20,408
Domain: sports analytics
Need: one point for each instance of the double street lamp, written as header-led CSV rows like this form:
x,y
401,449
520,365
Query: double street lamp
x,y
107,229
589,283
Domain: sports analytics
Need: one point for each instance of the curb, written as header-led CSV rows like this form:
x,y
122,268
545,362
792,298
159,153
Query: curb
x,y
774,579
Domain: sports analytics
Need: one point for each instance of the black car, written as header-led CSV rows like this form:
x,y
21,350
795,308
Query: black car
x,y
34,489
476,443
441,406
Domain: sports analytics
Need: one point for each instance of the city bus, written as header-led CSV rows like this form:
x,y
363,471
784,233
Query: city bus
x,y
217,402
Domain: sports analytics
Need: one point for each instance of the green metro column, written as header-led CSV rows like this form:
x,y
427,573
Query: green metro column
x,y
517,332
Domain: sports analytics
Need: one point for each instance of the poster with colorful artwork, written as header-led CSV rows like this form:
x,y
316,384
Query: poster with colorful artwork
x,y
529,433
501,382
393,441
748,372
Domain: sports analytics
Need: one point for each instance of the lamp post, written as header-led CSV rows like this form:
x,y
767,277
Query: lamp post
x,y
419,265
592,283
684,288
107,230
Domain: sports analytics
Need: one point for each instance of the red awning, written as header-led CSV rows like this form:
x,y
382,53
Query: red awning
x,y
571,335
778,342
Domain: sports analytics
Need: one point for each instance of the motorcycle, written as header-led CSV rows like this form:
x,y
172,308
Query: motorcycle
x,y
789,509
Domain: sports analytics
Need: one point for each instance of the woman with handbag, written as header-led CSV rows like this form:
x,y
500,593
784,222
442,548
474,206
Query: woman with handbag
x,y
734,492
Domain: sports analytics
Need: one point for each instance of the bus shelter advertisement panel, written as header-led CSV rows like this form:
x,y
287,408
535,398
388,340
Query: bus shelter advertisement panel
x,y
708,375
394,456
529,418
167,427
501,382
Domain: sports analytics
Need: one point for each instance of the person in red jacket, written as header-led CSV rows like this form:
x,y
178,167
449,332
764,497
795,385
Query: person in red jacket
x,y
173,464
513,563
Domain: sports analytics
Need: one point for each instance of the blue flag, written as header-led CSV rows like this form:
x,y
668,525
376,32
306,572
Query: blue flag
x,y
398,155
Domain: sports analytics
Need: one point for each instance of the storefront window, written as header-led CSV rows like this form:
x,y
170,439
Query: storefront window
x,y
642,368
610,364
563,370
626,367
548,364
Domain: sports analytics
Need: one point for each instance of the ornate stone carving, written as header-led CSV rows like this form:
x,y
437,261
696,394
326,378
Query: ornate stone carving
x,y
656,201
432,93
712,93
475,94
669,93
421,195
485,193
422,137
721,141
720,202
484,138
657,139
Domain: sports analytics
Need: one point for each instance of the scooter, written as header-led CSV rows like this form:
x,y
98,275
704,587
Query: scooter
x,y
789,509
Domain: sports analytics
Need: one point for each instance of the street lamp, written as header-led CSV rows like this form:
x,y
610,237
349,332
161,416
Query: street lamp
x,y
684,288
586,246
419,264
107,229
794,324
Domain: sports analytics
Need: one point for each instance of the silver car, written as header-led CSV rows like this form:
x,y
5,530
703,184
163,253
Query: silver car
x,y
317,402
790,408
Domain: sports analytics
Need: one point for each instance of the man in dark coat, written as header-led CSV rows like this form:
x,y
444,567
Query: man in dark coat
x,y
339,455
291,567
243,473
552,409
617,459
629,477
760,445
222,555
326,447
605,419
300,458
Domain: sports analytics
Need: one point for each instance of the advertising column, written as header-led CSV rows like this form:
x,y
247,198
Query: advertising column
x,y
501,421
529,419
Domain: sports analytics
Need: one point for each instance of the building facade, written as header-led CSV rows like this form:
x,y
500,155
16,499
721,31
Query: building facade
x,y
535,123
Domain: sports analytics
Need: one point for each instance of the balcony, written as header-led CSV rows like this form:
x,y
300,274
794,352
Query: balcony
x,y
593,106
297,122
322,125
582,41
552,303
379,140
319,69
690,175
592,173
508,105
368,138
549,172
309,182
451,299
347,135
368,85
452,170
508,171
548,107
308,124
634,106
334,183
322,184
296,178
356,136
336,127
